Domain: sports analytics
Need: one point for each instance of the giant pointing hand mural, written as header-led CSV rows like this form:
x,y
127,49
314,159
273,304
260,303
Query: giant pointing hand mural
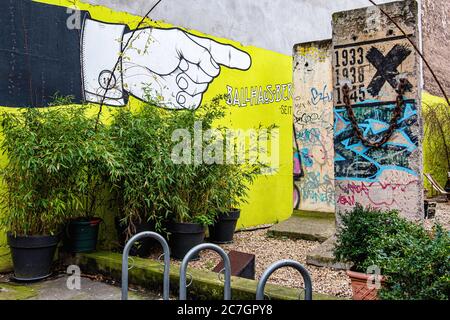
x,y
170,66
95,54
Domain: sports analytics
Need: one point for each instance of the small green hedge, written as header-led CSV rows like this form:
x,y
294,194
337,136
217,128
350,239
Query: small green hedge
x,y
415,262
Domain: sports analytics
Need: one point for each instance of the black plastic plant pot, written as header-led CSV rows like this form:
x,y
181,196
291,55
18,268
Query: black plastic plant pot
x,y
183,237
82,235
222,231
142,248
32,256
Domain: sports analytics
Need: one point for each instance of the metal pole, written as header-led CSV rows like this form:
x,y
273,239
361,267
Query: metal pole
x,y
126,251
280,264
194,251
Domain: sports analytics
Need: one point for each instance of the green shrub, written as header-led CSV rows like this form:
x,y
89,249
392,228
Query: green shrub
x,y
414,262
57,164
192,188
153,187
137,136
235,178
436,142
421,271
360,228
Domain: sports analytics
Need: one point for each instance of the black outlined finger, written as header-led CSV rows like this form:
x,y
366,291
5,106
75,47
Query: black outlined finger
x,y
187,101
196,74
184,65
187,85
198,55
224,54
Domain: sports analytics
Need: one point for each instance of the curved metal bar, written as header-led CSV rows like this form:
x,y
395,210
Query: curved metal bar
x,y
126,252
281,264
193,252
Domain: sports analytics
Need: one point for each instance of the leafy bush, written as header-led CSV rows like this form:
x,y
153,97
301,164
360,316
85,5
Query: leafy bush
x,y
421,268
192,189
56,166
152,187
360,228
414,262
219,183
137,136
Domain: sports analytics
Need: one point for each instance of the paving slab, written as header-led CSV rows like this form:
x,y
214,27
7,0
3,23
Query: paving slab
x,y
58,288
323,256
306,225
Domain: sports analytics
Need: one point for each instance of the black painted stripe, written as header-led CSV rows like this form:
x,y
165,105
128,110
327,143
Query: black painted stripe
x,y
374,104
362,43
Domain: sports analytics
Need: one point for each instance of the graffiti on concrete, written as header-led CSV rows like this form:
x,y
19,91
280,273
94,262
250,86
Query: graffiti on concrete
x,y
371,59
358,162
313,123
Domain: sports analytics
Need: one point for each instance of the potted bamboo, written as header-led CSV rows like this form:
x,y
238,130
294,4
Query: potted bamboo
x,y
233,186
412,262
41,184
188,185
137,135
99,167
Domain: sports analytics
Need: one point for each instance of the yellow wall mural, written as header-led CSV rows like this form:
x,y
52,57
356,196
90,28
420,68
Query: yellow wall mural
x,y
184,68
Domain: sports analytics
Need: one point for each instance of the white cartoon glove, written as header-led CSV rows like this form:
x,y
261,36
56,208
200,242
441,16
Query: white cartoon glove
x,y
170,66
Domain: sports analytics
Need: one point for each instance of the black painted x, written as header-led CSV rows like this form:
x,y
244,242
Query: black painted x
x,y
386,68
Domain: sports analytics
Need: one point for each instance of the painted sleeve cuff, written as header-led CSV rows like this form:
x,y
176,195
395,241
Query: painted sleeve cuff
x,y
101,47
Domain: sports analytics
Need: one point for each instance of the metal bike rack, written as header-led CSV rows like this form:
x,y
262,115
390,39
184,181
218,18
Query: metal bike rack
x,y
194,251
280,264
126,252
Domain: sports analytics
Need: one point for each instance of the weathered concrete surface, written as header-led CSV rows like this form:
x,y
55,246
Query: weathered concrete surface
x,y
372,55
436,41
314,226
148,274
313,123
57,289
323,256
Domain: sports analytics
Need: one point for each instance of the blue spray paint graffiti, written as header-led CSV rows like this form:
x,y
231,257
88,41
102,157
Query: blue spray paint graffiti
x,y
357,162
306,158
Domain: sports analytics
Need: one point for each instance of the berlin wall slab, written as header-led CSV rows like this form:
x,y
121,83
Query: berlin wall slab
x,y
373,55
313,124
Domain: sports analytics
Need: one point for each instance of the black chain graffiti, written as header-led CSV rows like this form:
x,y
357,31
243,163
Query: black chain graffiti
x,y
393,123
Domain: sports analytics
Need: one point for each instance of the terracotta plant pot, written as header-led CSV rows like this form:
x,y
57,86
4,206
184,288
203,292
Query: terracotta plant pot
x,y
361,290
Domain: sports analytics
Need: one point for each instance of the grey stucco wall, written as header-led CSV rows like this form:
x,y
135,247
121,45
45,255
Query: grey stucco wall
x,y
270,24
